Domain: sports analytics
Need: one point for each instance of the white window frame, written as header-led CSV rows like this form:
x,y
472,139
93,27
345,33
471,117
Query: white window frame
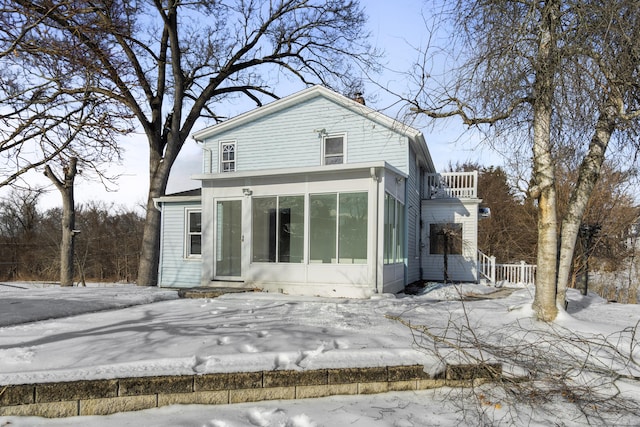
x,y
188,233
222,161
344,147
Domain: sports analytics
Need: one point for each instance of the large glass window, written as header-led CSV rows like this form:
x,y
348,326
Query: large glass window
x,y
264,228
323,213
278,229
291,229
445,236
394,230
338,228
194,233
389,228
352,240
400,233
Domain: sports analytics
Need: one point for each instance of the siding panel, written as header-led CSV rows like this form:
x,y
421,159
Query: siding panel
x,y
292,137
461,267
175,270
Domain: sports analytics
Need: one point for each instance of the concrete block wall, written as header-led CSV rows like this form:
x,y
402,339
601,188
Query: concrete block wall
x,y
103,397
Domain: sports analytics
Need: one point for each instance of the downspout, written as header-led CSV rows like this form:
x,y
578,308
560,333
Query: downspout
x,y
204,157
420,222
159,206
406,233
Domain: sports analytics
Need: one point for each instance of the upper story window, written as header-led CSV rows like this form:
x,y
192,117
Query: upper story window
x,y
194,233
334,149
228,156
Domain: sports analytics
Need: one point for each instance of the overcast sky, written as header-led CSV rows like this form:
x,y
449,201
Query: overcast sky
x,y
397,27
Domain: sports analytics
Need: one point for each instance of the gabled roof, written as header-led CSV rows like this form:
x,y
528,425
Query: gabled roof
x,y
320,91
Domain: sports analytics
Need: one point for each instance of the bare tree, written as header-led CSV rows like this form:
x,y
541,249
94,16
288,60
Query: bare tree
x,y
43,116
543,70
66,189
19,219
168,62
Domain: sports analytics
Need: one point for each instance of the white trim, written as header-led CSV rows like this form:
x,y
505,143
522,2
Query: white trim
x,y
300,171
176,199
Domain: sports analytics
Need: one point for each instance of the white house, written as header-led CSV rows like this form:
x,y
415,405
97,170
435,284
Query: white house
x,y
318,194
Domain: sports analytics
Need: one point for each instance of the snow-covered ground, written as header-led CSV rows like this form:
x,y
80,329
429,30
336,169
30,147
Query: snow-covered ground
x,y
49,334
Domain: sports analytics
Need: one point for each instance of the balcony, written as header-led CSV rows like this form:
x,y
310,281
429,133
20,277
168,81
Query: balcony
x,y
458,185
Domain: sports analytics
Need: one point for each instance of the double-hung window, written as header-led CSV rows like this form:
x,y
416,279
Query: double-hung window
x,y
194,233
228,156
334,149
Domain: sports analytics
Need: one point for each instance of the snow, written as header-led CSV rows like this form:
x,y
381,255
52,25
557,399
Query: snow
x,y
48,334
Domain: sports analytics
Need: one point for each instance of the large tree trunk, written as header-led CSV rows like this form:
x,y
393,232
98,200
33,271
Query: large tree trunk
x,y
544,302
65,186
587,177
150,250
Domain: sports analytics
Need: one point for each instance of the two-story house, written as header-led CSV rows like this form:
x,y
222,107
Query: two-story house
x,y
318,194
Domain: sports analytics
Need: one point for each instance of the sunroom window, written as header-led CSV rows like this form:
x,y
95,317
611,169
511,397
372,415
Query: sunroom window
x,y
338,228
278,229
394,233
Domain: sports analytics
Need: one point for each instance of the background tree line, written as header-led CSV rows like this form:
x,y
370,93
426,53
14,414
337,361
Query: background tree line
x,y
510,233
107,245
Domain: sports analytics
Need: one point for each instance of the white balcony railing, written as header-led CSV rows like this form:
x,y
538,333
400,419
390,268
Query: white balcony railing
x,y
460,185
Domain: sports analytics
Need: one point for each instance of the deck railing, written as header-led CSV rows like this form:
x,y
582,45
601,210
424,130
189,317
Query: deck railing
x,y
460,185
487,267
521,273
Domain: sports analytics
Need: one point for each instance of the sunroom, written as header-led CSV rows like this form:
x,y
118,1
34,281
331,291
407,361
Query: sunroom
x,y
310,231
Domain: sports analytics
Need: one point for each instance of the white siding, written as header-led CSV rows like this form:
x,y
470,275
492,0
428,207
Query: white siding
x,y
175,270
292,137
461,267
413,221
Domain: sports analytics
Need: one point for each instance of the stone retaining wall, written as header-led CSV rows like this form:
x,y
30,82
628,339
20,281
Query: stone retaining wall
x,y
102,397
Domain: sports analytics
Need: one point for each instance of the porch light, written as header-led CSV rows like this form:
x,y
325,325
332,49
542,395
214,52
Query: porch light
x,y
247,191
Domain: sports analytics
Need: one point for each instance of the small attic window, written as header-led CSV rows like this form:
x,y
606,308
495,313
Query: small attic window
x,y
334,149
228,156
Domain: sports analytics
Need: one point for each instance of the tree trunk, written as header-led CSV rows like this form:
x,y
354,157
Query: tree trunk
x,y
150,250
587,177
544,303
65,186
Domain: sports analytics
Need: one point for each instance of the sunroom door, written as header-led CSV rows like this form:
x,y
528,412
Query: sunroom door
x,y
228,257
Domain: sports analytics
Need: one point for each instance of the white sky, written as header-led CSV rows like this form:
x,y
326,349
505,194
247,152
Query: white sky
x,y
396,27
